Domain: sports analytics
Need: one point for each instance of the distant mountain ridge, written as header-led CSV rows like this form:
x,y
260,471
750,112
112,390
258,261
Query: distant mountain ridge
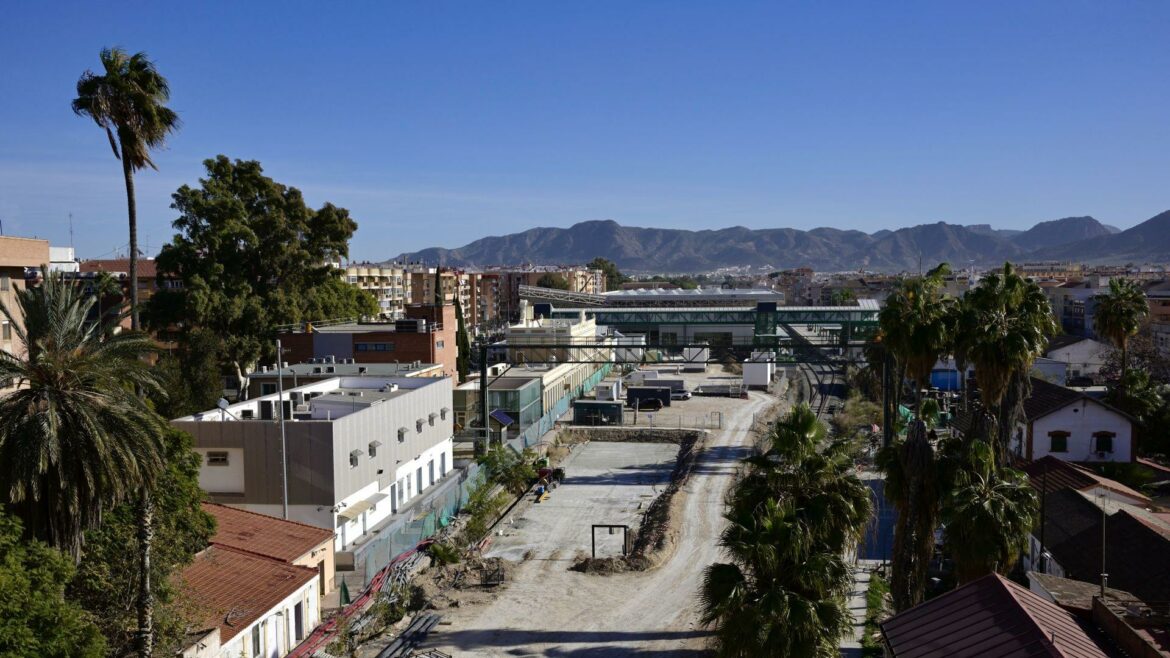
x,y
638,249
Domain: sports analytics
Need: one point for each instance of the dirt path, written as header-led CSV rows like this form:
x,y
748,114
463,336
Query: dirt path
x,y
547,610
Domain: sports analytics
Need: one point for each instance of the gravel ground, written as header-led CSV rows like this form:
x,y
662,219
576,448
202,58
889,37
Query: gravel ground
x,y
547,610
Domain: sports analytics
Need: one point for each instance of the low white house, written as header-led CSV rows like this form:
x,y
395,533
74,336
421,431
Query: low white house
x,y
251,606
1072,426
1084,356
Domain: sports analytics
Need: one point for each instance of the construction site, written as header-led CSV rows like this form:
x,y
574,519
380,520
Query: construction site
x,y
606,563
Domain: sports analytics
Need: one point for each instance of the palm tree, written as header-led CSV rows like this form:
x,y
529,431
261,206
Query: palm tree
x,y
75,438
988,515
128,101
916,327
797,511
1119,315
104,285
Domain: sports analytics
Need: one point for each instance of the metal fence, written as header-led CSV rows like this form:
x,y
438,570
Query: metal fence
x,y
421,521
531,434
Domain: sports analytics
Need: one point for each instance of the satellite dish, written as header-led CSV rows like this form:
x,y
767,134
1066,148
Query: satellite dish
x,y
222,404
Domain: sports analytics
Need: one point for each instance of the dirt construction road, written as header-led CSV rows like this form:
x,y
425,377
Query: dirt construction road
x,y
547,610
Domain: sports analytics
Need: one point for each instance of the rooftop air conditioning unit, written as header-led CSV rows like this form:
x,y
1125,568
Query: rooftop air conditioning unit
x,y
316,370
247,414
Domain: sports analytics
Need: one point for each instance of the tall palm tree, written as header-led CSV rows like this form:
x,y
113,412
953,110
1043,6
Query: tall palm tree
x,y
75,438
988,515
1119,315
104,285
128,100
916,327
790,520
1010,323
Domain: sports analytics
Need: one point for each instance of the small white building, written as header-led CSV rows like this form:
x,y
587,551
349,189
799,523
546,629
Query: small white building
x,y
759,370
1084,356
250,606
1072,426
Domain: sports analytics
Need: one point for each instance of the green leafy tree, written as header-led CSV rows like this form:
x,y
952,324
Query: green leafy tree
x,y
190,374
1149,404
106,286
790,521
75,438
613,277
462,343
551,280
252,256
36,619
1119,315
108,576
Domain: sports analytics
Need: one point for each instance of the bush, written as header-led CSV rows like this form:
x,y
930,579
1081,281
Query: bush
x,y
443,553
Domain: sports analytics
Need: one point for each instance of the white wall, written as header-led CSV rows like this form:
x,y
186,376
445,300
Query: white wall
x,y
277,630
1081,420
1084,358
222,479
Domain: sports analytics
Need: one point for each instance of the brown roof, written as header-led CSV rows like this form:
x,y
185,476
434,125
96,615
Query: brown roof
x,y
1074,595
990,616
1047,397
232,588
1050,474
146,267
264,535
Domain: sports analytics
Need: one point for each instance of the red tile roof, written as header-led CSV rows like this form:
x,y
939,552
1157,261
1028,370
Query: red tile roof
x,y
1053,474
146,267
991,616
233,589
264,535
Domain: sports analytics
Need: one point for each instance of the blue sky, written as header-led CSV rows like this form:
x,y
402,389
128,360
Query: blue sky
x,y
436,123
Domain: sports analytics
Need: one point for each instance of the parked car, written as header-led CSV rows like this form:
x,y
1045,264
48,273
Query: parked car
x,y
680,395
647,404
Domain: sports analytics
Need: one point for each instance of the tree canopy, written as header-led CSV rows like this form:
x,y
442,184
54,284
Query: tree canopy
x,y
36,620
552,280
613,277
251,256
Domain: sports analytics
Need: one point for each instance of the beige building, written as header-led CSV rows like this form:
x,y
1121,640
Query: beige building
x,y
390,285
16,255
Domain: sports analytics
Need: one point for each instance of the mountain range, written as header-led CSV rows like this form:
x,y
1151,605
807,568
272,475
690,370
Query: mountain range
x,y
635,249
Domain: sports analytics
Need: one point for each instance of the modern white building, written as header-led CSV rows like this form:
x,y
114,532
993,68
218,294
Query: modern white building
x,y
359,449
1084,356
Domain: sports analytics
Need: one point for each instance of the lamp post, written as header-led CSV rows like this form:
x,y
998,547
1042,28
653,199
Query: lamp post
x,y
283,445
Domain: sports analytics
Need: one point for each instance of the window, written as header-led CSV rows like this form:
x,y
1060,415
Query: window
x,y
256,640
1059,441
401,490
268,389
407,486
299,622
373,347
438,344
6,330
1104,441
5,282
217,458
442,464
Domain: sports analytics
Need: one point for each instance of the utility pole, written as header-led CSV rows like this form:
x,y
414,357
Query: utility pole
x,y
483,395
283,444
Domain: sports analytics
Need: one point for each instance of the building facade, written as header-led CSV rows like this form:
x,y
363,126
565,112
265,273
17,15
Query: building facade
x,y
359,449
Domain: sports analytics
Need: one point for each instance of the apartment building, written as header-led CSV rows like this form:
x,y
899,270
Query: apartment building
x,y
17,256
390,285
359,450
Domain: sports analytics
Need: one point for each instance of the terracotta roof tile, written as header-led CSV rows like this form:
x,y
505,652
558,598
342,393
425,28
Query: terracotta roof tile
x,y
232,589
988,617
264,535
1047,398
1053,474
146,266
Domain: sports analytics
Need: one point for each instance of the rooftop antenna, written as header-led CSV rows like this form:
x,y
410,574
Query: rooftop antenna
x,y
71,231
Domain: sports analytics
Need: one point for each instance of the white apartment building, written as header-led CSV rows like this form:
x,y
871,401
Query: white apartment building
x,y
359,449
390,285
